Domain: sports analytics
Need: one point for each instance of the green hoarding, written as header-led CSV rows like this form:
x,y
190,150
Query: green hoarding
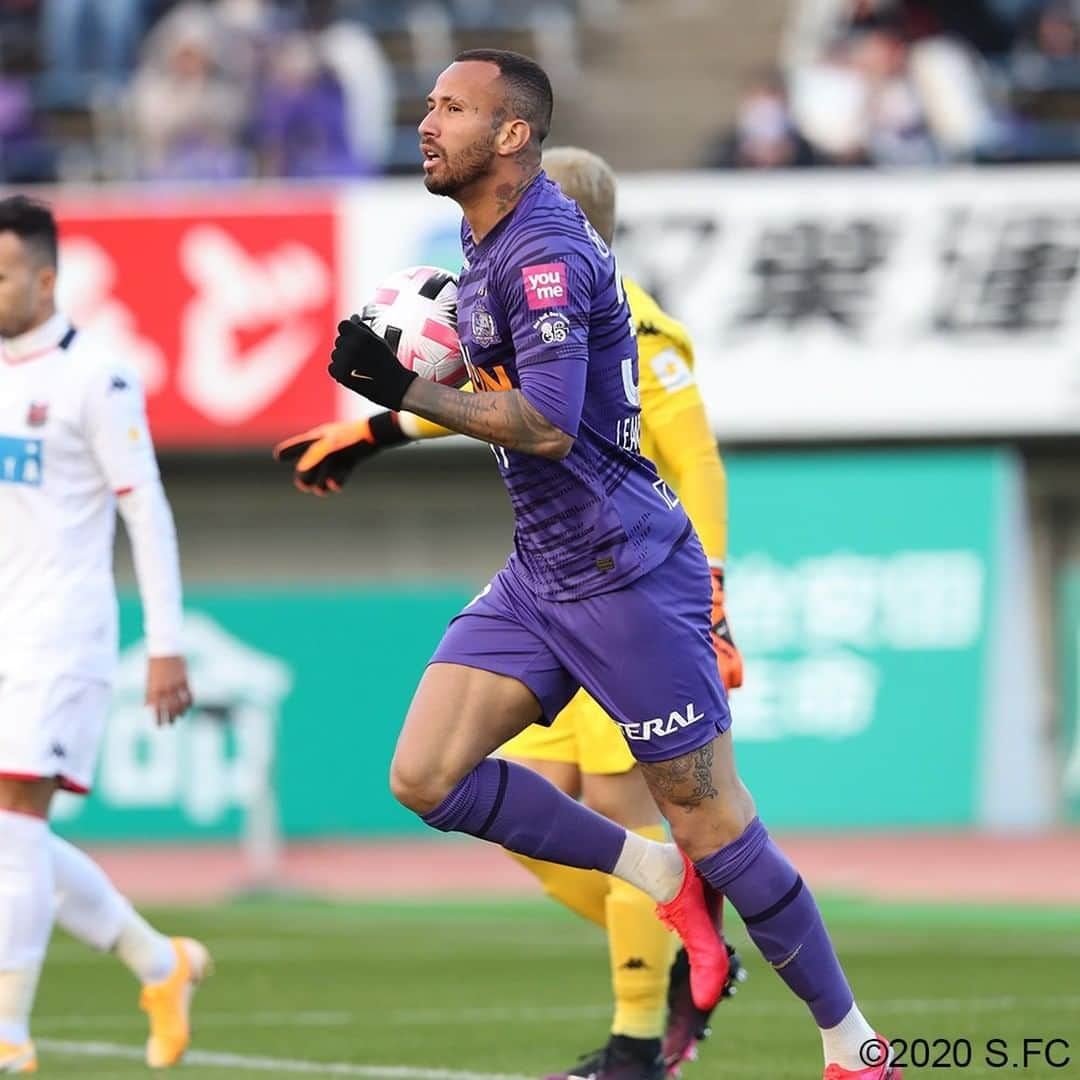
x,y
861,594
309,686
1069,668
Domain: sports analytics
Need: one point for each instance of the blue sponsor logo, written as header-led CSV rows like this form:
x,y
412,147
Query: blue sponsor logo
x,y
20,461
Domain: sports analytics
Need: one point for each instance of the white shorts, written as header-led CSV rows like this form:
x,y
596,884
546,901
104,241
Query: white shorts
x,y
52,727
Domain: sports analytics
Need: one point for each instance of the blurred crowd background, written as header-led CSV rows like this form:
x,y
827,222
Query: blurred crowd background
x,y
218,90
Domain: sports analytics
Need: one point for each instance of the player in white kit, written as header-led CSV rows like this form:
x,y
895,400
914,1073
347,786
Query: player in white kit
x,y
74,448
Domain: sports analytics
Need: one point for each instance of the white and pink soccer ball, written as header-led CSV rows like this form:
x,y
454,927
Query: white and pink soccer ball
x,y
415,313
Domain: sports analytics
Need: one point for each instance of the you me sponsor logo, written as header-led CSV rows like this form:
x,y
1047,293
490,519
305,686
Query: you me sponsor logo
x,y
545,285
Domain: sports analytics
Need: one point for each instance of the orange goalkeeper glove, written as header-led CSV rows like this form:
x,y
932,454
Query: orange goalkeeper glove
x,y
326,455
728,657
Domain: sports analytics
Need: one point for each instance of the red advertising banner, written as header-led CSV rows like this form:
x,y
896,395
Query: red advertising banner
x,y
226,307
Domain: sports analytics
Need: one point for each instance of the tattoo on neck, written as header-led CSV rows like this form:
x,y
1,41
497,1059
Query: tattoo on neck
x,y
507,195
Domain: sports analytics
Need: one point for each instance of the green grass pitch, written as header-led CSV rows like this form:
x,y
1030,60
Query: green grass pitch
x,y
521,988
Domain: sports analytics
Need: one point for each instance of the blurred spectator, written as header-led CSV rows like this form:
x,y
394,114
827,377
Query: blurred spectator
x,y
978,22
187,112
858,105
952,82
819,24
1044,72
250,30
1055,34
367,79
896,82
896,129
300,127
1014,12
764,135
89,47
26,156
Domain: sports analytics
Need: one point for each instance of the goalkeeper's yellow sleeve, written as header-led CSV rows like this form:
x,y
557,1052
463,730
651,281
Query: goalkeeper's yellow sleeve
x,y
675,430
416,427
689,461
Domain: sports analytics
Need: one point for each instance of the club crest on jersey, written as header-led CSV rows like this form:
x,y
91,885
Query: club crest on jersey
x,y
38,414
545,285
484,330
552,327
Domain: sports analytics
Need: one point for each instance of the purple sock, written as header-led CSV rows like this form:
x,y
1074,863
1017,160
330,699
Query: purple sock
x,y
782,919
513,806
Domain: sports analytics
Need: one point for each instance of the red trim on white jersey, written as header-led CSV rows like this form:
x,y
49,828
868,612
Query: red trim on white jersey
x,y
23,813
62,342
13,360
63,782
124,491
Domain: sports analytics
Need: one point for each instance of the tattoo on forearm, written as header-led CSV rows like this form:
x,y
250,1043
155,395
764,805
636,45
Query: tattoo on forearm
x,y
685,782
505,418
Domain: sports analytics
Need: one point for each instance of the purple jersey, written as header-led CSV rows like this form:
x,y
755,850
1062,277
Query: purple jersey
x,y
541,308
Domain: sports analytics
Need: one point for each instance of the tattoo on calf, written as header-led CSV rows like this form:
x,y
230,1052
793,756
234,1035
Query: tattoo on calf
x,y
685,782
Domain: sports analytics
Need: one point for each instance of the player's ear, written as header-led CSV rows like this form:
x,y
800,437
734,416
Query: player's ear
x,y
514,136
47,278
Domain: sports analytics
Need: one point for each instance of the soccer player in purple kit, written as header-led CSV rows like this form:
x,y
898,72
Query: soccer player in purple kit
x,y
607,587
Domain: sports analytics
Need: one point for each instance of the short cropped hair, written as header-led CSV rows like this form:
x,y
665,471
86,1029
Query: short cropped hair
x,y
32,222
528,88
587,179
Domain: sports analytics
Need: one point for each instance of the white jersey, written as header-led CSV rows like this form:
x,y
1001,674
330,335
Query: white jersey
x,y
73,436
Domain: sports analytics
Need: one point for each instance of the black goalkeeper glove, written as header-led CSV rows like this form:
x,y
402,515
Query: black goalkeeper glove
x,y
326,455
365,364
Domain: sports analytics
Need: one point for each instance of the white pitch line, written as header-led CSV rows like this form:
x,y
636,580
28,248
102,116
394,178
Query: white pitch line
x,y
740,1006
218,1019
489,1014
274,1065
278,1066
526,1014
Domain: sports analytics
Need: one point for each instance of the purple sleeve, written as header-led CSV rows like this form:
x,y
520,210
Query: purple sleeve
x,y
548,300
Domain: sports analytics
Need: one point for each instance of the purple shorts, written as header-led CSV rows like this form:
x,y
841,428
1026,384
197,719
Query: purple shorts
x,y
643,652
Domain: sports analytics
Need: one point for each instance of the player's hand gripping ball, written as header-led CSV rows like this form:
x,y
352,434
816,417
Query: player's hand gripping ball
x,y
365,364
408,329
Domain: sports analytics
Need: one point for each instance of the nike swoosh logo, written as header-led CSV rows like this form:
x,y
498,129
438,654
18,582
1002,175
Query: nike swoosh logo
x,y
360,375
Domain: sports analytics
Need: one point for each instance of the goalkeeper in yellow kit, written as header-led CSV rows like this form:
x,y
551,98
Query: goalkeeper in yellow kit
x,y
583,751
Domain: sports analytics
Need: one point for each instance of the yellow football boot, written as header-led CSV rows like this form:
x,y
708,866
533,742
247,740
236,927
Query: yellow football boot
x,y
168,1004
18,1059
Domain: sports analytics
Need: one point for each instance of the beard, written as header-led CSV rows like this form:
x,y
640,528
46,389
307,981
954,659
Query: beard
x,y
15,324
460,170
